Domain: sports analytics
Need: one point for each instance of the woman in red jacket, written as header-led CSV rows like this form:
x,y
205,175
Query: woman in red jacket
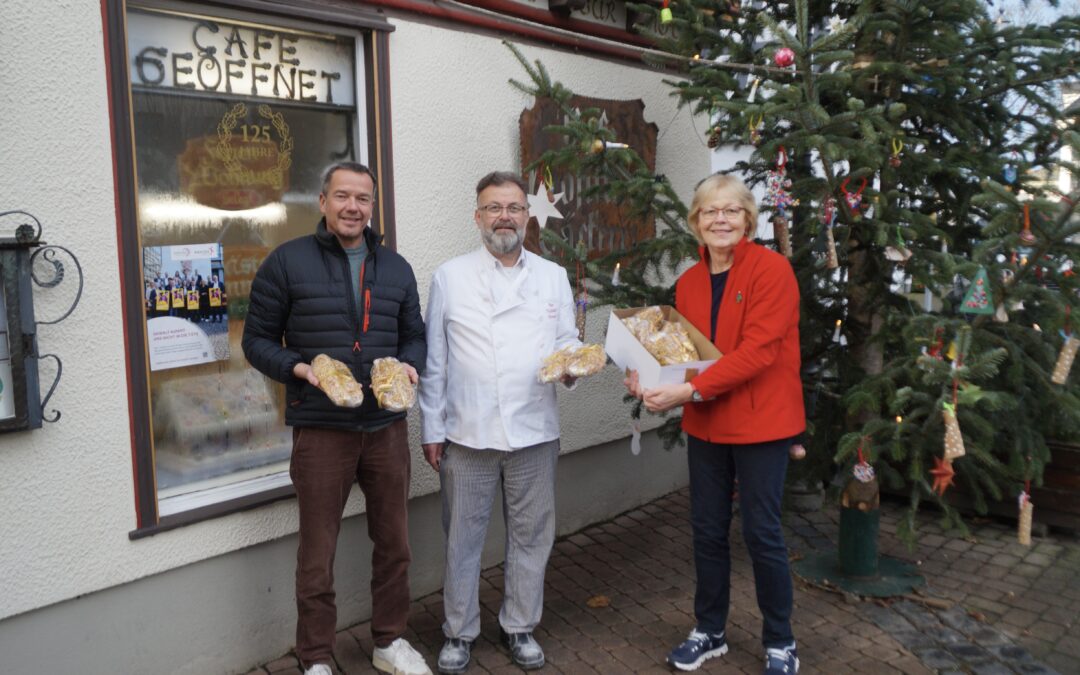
x,y
740,416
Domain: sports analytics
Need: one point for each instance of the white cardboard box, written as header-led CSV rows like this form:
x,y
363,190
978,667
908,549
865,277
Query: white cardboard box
x,y
629,354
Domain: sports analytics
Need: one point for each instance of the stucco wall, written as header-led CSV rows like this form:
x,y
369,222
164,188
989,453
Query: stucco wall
x,y
67,494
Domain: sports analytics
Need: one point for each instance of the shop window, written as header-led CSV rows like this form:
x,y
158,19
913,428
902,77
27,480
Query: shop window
x,y
233,117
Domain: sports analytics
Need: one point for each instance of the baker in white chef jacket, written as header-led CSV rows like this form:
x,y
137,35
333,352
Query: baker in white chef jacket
x,y
492,317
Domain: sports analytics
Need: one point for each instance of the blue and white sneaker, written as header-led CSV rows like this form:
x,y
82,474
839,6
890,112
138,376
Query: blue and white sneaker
x,y
697,649
781,660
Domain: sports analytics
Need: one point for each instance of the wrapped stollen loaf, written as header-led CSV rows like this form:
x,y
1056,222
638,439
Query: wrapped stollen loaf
x,y
337,382
667,341
586,360
671,344
393,389
573,361
554,366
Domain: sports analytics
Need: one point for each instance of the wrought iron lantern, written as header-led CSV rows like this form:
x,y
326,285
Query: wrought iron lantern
x,y
23,258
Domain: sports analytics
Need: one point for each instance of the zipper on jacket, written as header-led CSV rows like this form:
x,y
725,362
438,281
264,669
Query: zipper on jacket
x,y
367,308
356,344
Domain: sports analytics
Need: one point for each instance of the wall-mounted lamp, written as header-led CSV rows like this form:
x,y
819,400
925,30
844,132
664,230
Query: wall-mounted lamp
x,y
20,403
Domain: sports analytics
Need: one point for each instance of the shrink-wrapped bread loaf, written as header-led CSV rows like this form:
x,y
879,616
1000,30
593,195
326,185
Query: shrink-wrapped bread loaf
x,y
587,360
337,381
667,341
393,389
574,361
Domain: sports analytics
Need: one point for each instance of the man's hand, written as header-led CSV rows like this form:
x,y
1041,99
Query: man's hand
x,y
433,453
667,396
304,372
414,377
633,385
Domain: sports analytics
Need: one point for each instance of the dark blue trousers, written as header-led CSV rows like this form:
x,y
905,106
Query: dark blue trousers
x,y
760,470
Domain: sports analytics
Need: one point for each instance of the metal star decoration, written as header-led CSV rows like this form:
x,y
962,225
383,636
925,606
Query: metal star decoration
x,y
541,208
943,475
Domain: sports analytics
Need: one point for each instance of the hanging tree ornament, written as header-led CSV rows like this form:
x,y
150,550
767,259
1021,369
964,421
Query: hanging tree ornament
x,y
853,199
900,252
1010,174
1026,512
665,12
829,218
897,147
1067,354
714,138
977,299
784,57
753,90
1025,235
777,195
954,440
756,125
581,303
943,475
542,204
862,493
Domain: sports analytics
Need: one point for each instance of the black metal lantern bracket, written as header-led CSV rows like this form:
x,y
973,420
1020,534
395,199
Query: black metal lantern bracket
x,y
20,405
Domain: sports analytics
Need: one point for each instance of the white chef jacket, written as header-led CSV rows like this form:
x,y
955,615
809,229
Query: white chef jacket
x,y
487,335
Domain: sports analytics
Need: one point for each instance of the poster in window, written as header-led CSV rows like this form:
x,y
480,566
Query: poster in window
x,y
187,320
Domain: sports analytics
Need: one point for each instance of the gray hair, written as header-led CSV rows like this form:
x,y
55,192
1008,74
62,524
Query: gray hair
x,y
498,178
355,167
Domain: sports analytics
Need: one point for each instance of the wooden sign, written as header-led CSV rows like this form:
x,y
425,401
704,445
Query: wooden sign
x,y
604,227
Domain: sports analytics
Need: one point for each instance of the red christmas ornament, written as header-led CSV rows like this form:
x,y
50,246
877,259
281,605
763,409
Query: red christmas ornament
x,y
784,57
943,475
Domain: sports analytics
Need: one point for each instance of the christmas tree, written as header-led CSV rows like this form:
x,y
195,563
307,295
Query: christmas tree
x,y
903,149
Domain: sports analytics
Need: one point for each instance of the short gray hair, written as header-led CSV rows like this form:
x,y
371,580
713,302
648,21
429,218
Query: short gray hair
x,y
355,167
498,178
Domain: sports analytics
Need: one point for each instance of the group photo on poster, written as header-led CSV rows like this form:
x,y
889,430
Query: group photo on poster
x,y
186,305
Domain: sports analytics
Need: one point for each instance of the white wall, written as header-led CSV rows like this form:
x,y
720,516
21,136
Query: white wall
x,y
67,494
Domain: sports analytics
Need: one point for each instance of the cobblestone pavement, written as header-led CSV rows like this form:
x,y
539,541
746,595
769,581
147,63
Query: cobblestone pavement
x,y
620,594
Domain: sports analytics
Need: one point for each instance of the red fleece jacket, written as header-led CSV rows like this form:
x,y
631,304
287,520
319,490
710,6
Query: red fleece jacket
x,y
753,394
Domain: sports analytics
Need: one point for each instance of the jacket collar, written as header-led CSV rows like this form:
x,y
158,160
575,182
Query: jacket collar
x,y
741,249
327,239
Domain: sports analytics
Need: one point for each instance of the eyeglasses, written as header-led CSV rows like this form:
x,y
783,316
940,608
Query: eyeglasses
x,y
512,209
730,213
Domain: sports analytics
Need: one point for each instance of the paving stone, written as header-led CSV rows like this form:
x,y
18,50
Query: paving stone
x,y
969,653
992,669
1035,668
937,659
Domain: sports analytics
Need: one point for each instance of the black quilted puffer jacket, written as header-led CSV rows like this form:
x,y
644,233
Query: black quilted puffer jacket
x,y
303,304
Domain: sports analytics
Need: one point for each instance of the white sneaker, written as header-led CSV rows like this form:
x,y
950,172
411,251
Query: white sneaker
x,y
319,669
399,659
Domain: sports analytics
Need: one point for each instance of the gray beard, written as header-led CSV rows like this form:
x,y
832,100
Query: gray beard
x,y
503,243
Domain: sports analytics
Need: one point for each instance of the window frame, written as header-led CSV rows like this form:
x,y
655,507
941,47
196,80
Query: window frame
x,y
371,32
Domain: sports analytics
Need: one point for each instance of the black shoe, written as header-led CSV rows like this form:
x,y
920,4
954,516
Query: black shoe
x,y
524,650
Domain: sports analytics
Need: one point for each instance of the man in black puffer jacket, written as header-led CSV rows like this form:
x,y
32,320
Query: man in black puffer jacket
x,y
341,293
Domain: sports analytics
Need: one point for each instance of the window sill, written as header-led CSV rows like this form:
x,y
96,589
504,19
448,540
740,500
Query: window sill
x,y
194,507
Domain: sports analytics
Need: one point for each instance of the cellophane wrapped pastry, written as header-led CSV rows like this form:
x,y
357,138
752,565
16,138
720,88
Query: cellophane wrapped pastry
x,y
586,360
667,341
573,361
393,389
337,382
645,323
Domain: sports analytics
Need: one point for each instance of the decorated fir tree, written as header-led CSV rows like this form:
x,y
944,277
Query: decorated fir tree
x,y
902,148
